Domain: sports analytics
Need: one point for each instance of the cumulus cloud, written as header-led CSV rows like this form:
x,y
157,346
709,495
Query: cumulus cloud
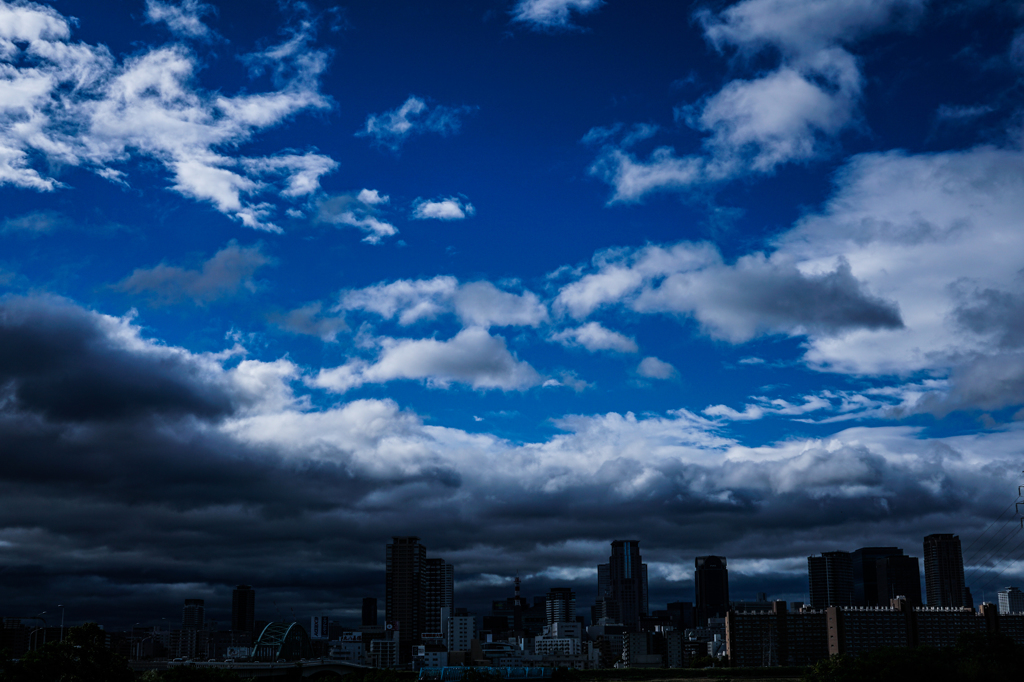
x,y
653,368
361,210
479,304
595,337
471,357
548,14
74,104
790,114
755,295
229,272
451,208
184,19
415,116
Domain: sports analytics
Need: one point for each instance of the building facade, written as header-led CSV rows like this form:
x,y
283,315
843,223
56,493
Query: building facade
x,y
830,579
560,605
439,594
1011,600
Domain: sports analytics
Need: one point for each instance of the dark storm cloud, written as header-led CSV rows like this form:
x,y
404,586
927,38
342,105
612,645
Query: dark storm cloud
x,y
62,362
135,475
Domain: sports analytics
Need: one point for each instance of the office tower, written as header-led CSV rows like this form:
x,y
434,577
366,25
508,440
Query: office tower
x,y
944,570
369,612
193,616
898,576
243,609
627,582
831,579
711,585
866,590
405,590
440,593
560,605
1011,600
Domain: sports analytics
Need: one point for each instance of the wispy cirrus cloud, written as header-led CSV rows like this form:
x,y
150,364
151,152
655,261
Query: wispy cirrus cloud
x,y
391,129
552,14
76,105
184,19
361,210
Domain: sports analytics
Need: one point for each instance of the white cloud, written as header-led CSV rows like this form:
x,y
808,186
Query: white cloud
x,y
791,114
594,337
547,14
653,368
184,19
484,305
409,300
451,208
471,357
361,211
392,128
479,304
73,104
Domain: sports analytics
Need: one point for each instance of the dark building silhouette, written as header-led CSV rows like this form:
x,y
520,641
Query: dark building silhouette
x,y
193,616
560,605
369,611
440,593
866,590
405,590
243,609
898,576
626,584
830,577
711,585
944,570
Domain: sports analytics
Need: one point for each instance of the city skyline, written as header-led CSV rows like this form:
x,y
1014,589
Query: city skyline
x,y
281,279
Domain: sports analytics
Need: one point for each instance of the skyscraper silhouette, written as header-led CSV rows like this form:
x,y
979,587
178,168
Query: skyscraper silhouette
x,y
405,590
944,570
243,609
627,583
711,587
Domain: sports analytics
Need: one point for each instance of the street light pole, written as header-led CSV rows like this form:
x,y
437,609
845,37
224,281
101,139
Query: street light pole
x,y
61,607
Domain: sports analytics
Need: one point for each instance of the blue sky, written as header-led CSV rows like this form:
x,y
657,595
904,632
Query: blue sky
x,y
520,278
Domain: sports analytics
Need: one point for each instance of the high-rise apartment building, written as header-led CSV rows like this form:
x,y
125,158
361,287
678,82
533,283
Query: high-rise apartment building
x,y
243,609
830,577
440,593
405,590
944,570
560,605
369,611
1011,600
627,583
711,587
